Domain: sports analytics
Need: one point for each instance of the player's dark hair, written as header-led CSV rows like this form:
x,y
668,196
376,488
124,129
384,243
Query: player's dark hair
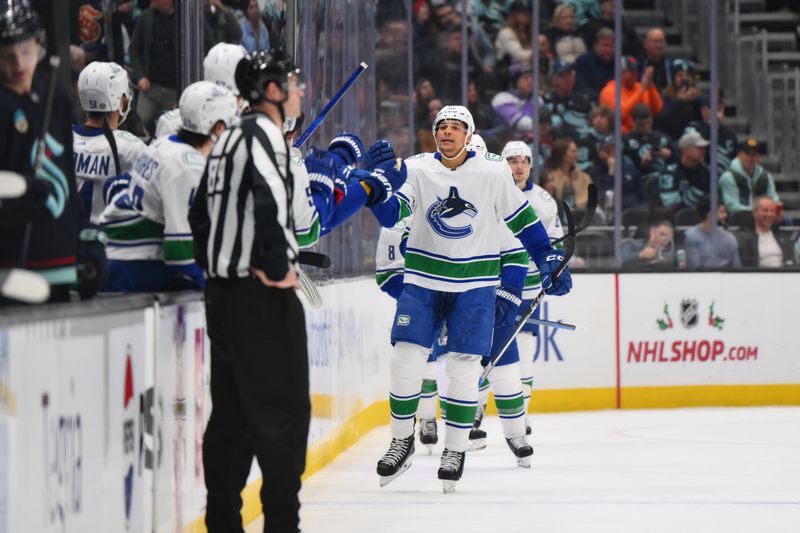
x,y
95,115
195,140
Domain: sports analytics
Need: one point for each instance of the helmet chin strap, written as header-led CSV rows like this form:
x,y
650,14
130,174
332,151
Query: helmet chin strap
x,y
463,148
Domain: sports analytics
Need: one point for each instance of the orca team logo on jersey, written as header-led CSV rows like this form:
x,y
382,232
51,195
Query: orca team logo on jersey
x,y
449,208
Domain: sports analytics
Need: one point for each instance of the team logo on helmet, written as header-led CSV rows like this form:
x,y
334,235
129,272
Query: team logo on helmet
x,y
449,208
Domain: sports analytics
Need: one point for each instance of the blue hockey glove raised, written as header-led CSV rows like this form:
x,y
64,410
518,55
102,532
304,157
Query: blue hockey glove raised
x,y
384,180
548,263
321,167
381,151
346,148
506,306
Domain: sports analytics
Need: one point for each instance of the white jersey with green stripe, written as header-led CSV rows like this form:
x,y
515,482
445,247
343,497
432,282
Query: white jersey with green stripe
x,y
163,183
454,245
94,162
389,262
547,210
306,217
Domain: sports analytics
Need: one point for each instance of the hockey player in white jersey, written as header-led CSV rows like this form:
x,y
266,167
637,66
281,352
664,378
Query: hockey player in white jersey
x,y
452,268
151,249
219,66
519,156
100,150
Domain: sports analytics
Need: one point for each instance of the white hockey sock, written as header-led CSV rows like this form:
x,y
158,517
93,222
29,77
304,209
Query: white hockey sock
x,y
463,371
427,402
526,343
508,399
405,384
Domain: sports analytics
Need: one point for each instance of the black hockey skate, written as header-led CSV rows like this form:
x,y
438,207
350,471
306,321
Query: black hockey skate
x,y
528,429
397,460
477,440
522,450
450,469
428,435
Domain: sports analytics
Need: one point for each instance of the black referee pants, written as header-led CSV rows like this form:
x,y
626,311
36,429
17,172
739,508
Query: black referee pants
x,y
260,402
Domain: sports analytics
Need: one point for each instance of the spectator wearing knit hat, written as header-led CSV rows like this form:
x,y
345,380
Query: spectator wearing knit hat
x,y
515,106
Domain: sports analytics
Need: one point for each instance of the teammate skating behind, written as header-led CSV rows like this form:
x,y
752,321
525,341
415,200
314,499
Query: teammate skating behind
x,y
451,270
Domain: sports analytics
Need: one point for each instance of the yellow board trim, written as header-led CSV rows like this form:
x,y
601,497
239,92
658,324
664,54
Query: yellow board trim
x,y
376,414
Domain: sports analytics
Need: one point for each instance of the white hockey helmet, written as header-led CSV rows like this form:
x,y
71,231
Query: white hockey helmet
x,y
477,143
219,66
455,112
205,103
101,86
517,148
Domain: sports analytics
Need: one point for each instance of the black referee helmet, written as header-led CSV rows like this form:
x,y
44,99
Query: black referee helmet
x,y
18,22
255,71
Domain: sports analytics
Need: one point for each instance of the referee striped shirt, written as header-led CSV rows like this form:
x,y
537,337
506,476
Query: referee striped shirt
x,y
242,215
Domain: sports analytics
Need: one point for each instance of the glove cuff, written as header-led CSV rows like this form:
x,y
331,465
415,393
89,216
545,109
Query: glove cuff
x,y
509,296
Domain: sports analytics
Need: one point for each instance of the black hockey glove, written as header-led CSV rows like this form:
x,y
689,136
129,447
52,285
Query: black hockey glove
x,y
92,262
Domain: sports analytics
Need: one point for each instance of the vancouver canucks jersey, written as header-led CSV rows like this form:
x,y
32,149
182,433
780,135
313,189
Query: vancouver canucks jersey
x,y
306,217
389,260
168,123
163,183
94,163
547,210
454,244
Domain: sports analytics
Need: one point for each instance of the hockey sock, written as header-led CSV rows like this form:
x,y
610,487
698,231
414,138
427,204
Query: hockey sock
x,y
461,400
508,399
427,402
526,343
483,391
405,384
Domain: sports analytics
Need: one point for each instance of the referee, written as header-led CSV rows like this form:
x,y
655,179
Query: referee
x,y
243,230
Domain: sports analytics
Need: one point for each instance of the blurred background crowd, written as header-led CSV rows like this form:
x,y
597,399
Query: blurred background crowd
x,y
546,77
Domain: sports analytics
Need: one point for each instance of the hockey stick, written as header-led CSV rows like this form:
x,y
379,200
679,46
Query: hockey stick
x,y
552,324
314,259
588,215
569,247
54,62
308,289
327,109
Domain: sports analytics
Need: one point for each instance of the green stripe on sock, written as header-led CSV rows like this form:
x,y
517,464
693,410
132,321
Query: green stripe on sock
x,y
429,386
403,407
461,414
528,382
443,408
510,406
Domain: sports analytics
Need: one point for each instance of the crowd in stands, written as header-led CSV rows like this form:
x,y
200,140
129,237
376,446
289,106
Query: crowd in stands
x,y
665,121
665,116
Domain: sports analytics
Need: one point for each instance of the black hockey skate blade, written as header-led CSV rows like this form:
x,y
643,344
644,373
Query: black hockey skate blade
x,y
385,480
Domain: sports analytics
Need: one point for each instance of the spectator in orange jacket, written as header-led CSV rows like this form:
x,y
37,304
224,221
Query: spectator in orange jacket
x,y
633,92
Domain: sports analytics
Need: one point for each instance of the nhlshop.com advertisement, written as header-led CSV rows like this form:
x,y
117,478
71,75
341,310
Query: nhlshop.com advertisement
x,y
696,329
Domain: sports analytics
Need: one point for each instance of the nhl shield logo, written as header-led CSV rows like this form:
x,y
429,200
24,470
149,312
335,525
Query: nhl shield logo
x,y
689,316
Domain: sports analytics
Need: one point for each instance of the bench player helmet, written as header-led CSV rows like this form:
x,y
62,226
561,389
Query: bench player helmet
x,y
258,69
205,103
220,64
477,143
19,22
101,87
517,148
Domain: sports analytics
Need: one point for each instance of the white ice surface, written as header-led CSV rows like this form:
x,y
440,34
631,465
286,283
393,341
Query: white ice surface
x,y
680,470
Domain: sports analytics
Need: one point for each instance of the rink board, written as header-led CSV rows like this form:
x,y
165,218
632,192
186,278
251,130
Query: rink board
x,y
102,413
